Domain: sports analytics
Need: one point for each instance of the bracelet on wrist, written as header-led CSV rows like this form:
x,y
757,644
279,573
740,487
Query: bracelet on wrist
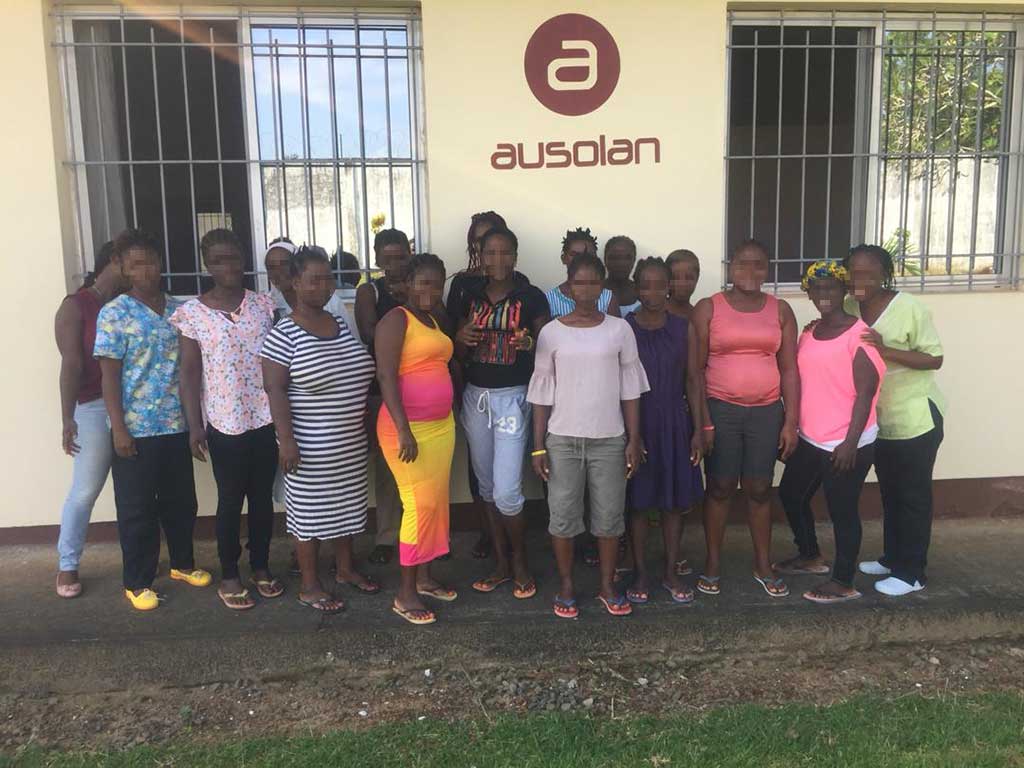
x,y
539,453
710,428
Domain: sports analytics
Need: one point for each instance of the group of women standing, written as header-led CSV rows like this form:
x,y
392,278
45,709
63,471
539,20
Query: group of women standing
x,y
616,415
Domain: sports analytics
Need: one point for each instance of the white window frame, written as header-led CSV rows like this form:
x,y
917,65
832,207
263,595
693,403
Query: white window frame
x,y
1012,243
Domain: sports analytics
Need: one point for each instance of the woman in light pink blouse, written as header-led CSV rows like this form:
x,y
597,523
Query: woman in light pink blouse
x,y
228,413
585,389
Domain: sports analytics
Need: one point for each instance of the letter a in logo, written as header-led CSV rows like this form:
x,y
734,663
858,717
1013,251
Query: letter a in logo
x,y
589,61
571,64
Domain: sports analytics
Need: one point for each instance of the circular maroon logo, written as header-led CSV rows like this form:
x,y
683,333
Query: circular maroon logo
x,y
571,64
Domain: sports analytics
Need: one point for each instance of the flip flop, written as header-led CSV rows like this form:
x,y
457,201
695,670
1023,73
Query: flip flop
x,y
618,606
812,595
683,567
490,584
410,615
322,604
268,588
524,591
439,593
566,609
682,596
781,590
638,596
786,568
368,586
243,595
709,585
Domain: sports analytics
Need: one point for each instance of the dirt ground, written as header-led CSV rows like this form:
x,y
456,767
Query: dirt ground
x,y
104,677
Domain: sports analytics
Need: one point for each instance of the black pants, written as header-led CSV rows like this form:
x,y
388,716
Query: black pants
x,y
244,467
808,469
152,490
904,469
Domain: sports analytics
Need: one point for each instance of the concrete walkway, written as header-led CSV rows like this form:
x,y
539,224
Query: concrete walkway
x,y
98,642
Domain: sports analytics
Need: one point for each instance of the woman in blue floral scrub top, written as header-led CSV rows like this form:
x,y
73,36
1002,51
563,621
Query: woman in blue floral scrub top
x,y
153,483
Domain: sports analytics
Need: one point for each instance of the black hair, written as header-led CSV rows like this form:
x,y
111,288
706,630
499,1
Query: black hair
x,y
281,239
586,259
103,258
578,235
424,261
348,266
680,255
652,262
620,240
306,255
387,237
881,255
508,234
485,217
219,237
750,243
134,238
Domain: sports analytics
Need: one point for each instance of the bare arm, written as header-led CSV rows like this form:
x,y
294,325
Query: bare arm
x,y
695,394
366,312
541,414
865,382
275,383
700,322
634,443
124,444
613,307
790,379
390,337
191,384
68,330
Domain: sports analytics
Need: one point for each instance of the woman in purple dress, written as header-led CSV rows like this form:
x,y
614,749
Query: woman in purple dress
x,y
669,482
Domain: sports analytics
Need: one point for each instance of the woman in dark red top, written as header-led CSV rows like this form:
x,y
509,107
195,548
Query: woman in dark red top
x,y
86,434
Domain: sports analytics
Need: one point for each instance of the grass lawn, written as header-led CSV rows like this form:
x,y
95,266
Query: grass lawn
x,y
965,732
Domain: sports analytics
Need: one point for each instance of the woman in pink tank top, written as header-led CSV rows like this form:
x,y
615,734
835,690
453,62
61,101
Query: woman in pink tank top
x,y
839,378
747,351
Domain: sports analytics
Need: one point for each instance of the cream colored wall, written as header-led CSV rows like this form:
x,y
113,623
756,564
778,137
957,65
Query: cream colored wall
x,y
671,86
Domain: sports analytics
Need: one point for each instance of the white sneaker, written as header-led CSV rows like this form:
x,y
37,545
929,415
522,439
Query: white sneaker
x,y
874,568
897,587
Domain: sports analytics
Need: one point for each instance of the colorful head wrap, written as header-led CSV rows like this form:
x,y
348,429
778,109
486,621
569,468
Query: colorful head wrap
x,y
823,269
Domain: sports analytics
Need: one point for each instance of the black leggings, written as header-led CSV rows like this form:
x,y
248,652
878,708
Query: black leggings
x,y
904,469
244,467
808,469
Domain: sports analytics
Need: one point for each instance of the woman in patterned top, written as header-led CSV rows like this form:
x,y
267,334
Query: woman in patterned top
x,y
317,375
153,483
228,413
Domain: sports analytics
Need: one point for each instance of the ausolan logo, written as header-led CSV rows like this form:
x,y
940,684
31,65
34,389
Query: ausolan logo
x,y
572,67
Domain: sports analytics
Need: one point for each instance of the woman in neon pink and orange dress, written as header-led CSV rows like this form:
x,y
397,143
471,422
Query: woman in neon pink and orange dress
x,y
417,432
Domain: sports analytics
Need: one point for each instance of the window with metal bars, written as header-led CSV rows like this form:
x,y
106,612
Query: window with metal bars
x,y
306,126
898,129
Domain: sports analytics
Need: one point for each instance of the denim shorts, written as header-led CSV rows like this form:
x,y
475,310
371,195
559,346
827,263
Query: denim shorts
x,y
746,439
597,464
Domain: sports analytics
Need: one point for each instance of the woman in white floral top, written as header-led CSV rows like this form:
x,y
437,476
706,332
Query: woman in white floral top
x,y
228,413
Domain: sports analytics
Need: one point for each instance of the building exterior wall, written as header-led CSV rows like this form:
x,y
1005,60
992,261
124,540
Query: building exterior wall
x,y
671,87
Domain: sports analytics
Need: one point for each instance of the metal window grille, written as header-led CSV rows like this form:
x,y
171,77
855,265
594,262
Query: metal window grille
x,y
901,129
306,125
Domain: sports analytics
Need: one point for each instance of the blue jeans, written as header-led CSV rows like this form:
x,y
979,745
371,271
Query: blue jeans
x,y
497,425
92,465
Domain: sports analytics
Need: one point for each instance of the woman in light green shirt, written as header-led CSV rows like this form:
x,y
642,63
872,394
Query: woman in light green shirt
x,y
910,415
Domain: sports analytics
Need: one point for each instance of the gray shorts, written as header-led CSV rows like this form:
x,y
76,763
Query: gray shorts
x,y
597,464
746,439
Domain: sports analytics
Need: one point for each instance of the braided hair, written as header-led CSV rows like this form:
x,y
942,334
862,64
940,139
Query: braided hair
x,y
881,255
424,261
304,256
578,235
103,258
484,217
587,260
652,262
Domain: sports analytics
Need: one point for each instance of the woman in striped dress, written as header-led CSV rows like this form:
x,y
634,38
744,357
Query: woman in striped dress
x,y
317,375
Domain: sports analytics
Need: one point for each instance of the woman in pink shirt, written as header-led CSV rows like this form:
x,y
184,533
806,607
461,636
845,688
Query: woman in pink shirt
x,y
747,349
840,375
